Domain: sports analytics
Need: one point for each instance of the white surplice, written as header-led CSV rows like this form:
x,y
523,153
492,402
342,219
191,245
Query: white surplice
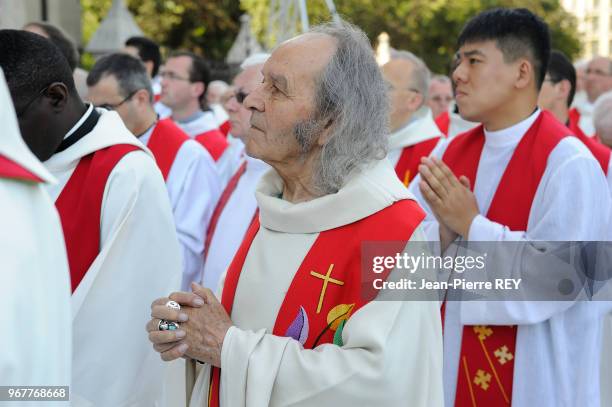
x,y
585,122
34,281
139,260
205,121
558,343
420,128
233,223
193,188
258,368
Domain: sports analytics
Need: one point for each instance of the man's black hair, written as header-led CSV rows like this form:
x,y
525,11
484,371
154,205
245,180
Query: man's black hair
x,y
148,50
518,33
199,70
31,62
61,40
560,68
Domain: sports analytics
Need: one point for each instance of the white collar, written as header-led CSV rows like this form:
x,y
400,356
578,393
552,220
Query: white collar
x,y
80,122
367,191
510,135
419,128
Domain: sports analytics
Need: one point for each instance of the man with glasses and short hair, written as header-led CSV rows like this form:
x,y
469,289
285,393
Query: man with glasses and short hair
x,y
185,77
440,94
120,82
598,81
116,218
414,133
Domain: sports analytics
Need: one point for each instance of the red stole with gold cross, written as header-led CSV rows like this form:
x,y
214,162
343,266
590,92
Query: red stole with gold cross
x,y
407,166
328,286
486,364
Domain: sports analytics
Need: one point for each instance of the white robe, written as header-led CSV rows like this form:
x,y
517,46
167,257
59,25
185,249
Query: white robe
x,y
420,129
233,223
572,203
34,281
229,160
258,368
193,188
113,361
586,118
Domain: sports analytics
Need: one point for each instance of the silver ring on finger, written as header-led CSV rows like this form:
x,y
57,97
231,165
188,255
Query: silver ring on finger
x,y
173,305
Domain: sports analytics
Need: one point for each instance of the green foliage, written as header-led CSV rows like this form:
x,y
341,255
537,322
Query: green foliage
x,y
427,28
207,27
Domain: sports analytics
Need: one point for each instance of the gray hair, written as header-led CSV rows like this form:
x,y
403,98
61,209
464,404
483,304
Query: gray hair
x,y
259,58
440,78
602,119
420,75
350,92
129,71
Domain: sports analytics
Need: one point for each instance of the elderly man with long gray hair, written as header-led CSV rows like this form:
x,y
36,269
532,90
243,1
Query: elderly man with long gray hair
x,y
297,323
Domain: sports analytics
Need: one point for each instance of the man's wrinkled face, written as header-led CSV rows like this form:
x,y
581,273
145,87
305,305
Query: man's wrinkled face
x,y
440,97
177,90
484,81
598,78
283,104
239,116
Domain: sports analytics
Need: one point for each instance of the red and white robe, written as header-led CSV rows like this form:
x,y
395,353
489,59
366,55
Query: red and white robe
x,y
205,130
34,281
582,116
231,218
299,342
528,180
451,123
122,208
193,187
408,144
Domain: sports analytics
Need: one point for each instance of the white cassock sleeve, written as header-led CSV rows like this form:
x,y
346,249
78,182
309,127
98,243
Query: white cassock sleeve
x,y
114,363
34,290
194,186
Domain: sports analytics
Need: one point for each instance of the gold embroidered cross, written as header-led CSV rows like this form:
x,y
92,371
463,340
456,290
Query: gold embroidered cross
x,y
483,331
503,355
482,379
326,279
407,178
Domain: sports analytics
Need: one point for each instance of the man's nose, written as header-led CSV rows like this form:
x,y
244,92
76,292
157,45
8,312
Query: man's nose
x,y
254,100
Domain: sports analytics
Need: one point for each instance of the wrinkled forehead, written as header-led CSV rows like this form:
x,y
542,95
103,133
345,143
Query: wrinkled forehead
x,y
300,59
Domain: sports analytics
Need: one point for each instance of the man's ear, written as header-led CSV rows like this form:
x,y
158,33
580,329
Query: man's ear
x,y
524,73
326,132
564,89
415,101
57,96
199,88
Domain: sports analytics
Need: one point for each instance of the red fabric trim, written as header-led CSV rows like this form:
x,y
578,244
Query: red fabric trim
x,y
443,122
340,247
11,169
407,166
80,205
483,379
214,141
599,151
225,196
165,142
225,128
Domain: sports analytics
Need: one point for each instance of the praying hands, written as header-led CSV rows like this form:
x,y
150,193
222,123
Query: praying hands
x,y
189,324
450,198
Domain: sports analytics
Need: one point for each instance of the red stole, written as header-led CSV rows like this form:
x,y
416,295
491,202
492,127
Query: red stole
x,y
225,196
225,127
80,206
574,119
443,122
165,142
407,166
214,141
599,151
13,170
329,285
486,363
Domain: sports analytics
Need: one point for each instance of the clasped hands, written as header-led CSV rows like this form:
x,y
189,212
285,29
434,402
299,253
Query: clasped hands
x,y
203,323
450,199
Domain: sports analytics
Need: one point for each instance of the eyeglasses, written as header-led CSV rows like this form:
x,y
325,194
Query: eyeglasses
x,y
173,77
22,111
597,72
109,106
240,96
390,87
